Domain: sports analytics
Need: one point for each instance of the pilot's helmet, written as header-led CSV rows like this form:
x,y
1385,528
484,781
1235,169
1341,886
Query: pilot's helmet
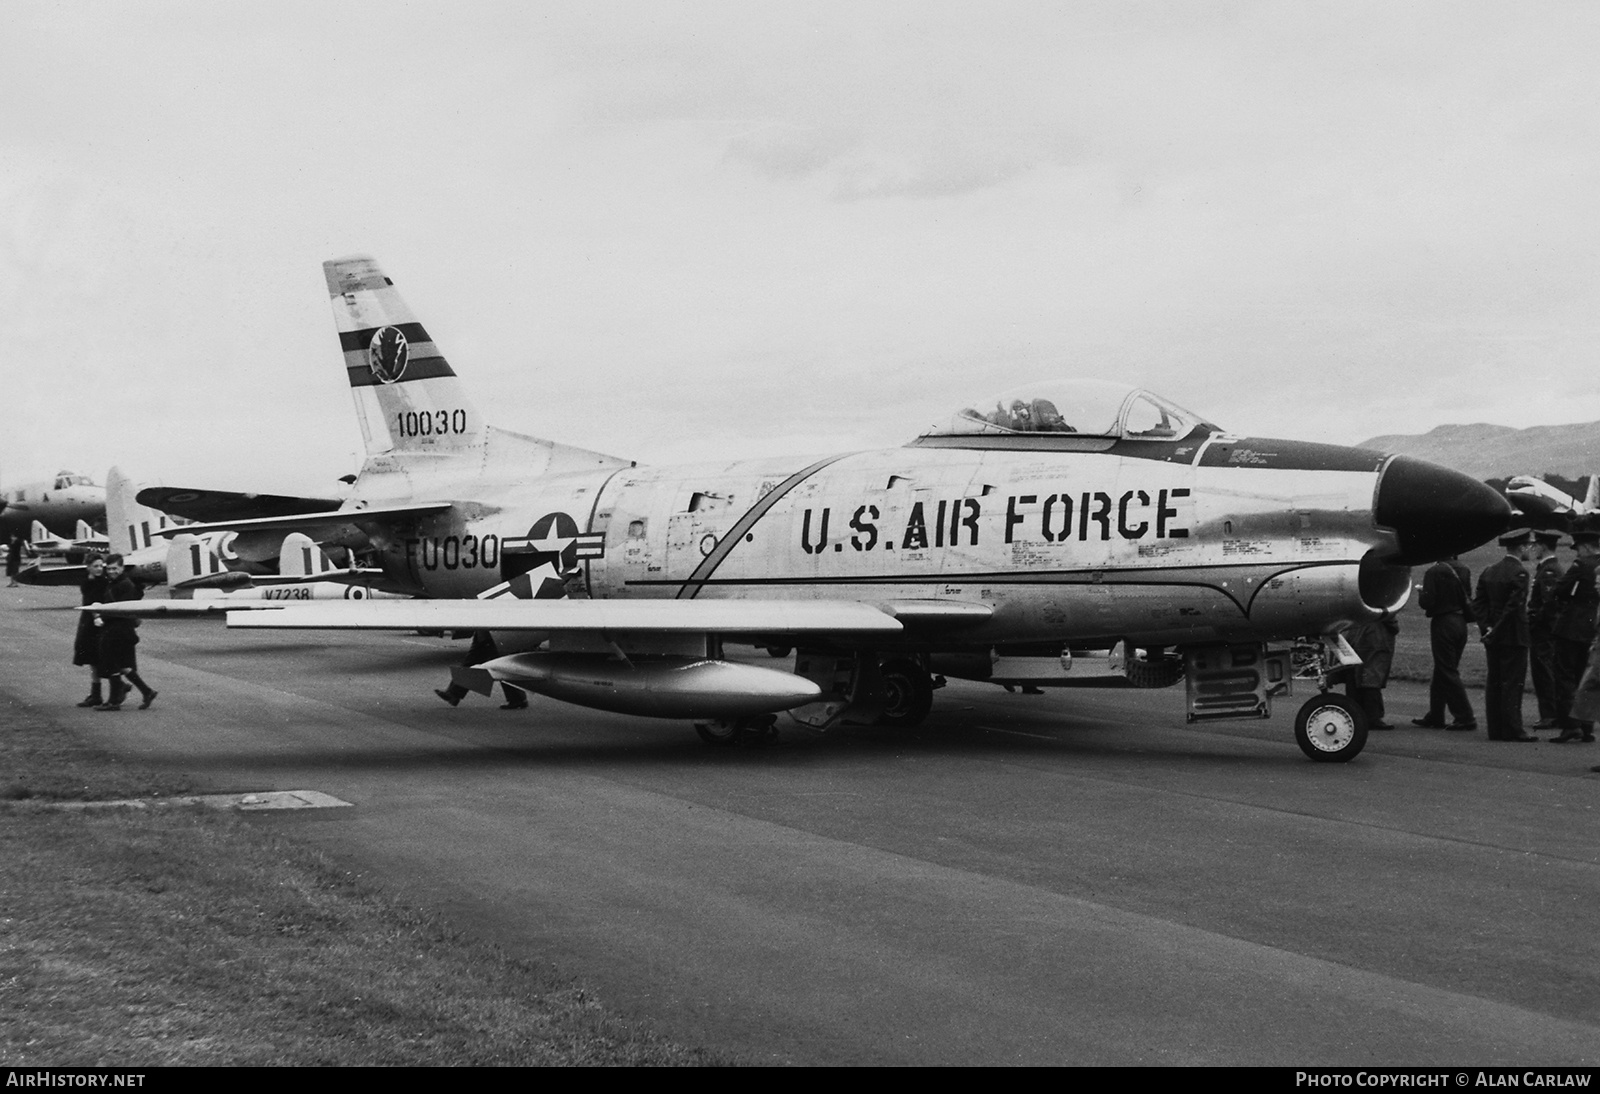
x,y
1045,415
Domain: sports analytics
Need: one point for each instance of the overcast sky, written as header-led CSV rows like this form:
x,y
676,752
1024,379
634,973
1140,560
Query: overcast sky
x,y
677,231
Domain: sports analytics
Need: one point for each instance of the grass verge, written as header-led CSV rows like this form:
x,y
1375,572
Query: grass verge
x,y
189,936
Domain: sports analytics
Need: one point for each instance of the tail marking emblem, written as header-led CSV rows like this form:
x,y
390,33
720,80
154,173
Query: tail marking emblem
x,y
388,354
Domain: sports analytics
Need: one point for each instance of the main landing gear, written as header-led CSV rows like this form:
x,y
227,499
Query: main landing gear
x,y
910,691
760,729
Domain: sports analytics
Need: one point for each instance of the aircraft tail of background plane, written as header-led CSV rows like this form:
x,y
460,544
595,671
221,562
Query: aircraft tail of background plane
x,y
193,563
301,557
408,399
130,526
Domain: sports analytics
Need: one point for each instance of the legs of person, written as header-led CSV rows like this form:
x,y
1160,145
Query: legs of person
x,y
1494,693
119,691
1371,702
1449,642
516,698
1541,670
147,694
1569,663
96,694
1513,681
1438,684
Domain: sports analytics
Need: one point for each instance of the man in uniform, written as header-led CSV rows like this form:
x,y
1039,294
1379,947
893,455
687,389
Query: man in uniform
x,y
1541,642
1501,606
1445,597
1573,605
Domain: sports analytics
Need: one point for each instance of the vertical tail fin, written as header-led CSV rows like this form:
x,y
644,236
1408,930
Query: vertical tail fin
x,y
1591,497
193,562
130,526
39,534
301,557
408,399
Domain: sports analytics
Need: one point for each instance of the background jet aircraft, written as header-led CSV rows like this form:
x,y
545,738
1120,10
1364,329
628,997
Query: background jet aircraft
x,y
58,504
1544,506
305,573
1068,533
53,560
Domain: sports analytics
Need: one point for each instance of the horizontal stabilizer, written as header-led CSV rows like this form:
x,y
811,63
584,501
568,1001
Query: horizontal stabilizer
x,y
308,521
767,617
35,574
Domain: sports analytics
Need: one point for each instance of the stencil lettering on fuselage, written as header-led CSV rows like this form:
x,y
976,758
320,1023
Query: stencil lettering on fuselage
x,y
956,522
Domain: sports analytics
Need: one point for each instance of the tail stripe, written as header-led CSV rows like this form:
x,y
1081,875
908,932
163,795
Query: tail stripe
x,y
425,368
351,341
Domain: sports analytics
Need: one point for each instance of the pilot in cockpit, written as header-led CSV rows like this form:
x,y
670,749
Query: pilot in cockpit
x,y
1035,416
1047,419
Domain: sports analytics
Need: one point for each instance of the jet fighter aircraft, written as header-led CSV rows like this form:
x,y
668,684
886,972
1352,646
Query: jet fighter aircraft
x,y
1068,533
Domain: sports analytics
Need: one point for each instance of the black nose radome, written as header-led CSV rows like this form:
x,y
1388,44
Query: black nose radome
x,y
1435,512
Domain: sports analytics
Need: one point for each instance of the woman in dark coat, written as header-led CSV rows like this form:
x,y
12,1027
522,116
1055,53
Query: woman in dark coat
x,y
86,646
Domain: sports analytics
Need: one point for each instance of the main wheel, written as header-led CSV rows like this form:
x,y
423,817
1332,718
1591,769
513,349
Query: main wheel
x,y
1330,729
722,733
760,730
910,694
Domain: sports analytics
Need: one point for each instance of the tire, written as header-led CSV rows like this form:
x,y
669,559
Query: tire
x,y
779,651
1330,729
910,694
1155,674
718,734
760,731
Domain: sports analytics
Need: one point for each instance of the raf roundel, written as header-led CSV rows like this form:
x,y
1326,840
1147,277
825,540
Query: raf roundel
x,y
387,354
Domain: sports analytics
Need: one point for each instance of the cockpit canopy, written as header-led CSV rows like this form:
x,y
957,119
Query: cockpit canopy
x,y
1091,408
65,479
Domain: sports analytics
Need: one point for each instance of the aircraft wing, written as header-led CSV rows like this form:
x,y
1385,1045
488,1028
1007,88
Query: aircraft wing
x,y
225,505
35,574
301,522
766,617
180,609
360,575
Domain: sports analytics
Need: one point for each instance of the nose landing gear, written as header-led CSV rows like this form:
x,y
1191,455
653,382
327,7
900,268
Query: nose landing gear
x,y
1330,729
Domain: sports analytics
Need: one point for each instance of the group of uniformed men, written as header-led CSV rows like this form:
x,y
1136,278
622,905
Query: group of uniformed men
x,y
1544,621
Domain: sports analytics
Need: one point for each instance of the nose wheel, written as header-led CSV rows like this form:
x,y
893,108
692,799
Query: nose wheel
x,y
1330,729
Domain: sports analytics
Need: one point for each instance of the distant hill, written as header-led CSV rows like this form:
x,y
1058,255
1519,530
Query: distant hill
x,y
1498,451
